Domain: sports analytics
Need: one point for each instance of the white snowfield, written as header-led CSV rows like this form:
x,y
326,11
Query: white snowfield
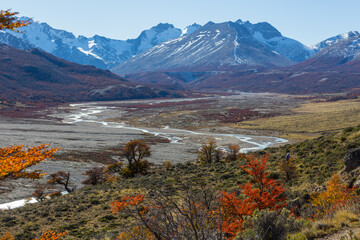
x,y
19,203
16,204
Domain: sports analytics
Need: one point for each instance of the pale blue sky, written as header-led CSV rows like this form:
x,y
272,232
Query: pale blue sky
x,y
308,21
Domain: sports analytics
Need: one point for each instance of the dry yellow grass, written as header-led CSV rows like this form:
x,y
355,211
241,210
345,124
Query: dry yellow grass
x,y
310,120
176,113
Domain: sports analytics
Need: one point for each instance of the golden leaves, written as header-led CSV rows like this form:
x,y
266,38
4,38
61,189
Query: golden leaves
x,y
14,159
49,235
126,202
336,195
8,20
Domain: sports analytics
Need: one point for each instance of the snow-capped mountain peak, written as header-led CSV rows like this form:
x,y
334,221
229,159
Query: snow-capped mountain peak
x,y
213,46
333,40
190,29
98,51
106,53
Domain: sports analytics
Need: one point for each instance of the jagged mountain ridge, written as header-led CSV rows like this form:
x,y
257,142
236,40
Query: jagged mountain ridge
x,y
106,53
97,51
272,38
218,45
334,68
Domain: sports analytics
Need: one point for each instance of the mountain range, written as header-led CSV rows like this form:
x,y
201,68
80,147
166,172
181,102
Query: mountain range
x,y
217,56
240,56
217,46
97,51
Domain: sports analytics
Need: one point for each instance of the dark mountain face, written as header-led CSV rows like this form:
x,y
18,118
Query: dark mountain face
x,y
36,76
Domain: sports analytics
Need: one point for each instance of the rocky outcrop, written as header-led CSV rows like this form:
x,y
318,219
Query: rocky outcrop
x,y
352,160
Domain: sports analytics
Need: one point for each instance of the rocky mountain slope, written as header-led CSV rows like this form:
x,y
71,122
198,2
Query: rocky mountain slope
x,y
335,68
35,76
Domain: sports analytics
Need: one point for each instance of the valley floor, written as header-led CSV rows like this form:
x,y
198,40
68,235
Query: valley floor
x,y
86,142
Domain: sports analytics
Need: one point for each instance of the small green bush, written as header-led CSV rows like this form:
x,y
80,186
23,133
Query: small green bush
x,y
137,167
269,225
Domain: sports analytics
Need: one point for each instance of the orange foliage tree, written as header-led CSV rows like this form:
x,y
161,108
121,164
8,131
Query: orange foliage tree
x,y
234,153
9,20
209,152
194,214
261,193
336,195
14,159
135,151
134,201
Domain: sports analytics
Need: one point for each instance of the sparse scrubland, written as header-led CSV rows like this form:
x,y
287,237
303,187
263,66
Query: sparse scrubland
x,y
252,196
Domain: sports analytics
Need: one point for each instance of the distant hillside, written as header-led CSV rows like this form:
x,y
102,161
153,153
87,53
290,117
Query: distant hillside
x,y
36,76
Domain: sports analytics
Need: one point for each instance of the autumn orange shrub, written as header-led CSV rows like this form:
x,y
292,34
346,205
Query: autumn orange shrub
x,y
14,159
261,193
234,153
191,215
164,217
49,235
126,202
7,236
336,195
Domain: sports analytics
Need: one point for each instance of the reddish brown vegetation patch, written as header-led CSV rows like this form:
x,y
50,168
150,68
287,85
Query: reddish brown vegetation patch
x,y
169,104
235,115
